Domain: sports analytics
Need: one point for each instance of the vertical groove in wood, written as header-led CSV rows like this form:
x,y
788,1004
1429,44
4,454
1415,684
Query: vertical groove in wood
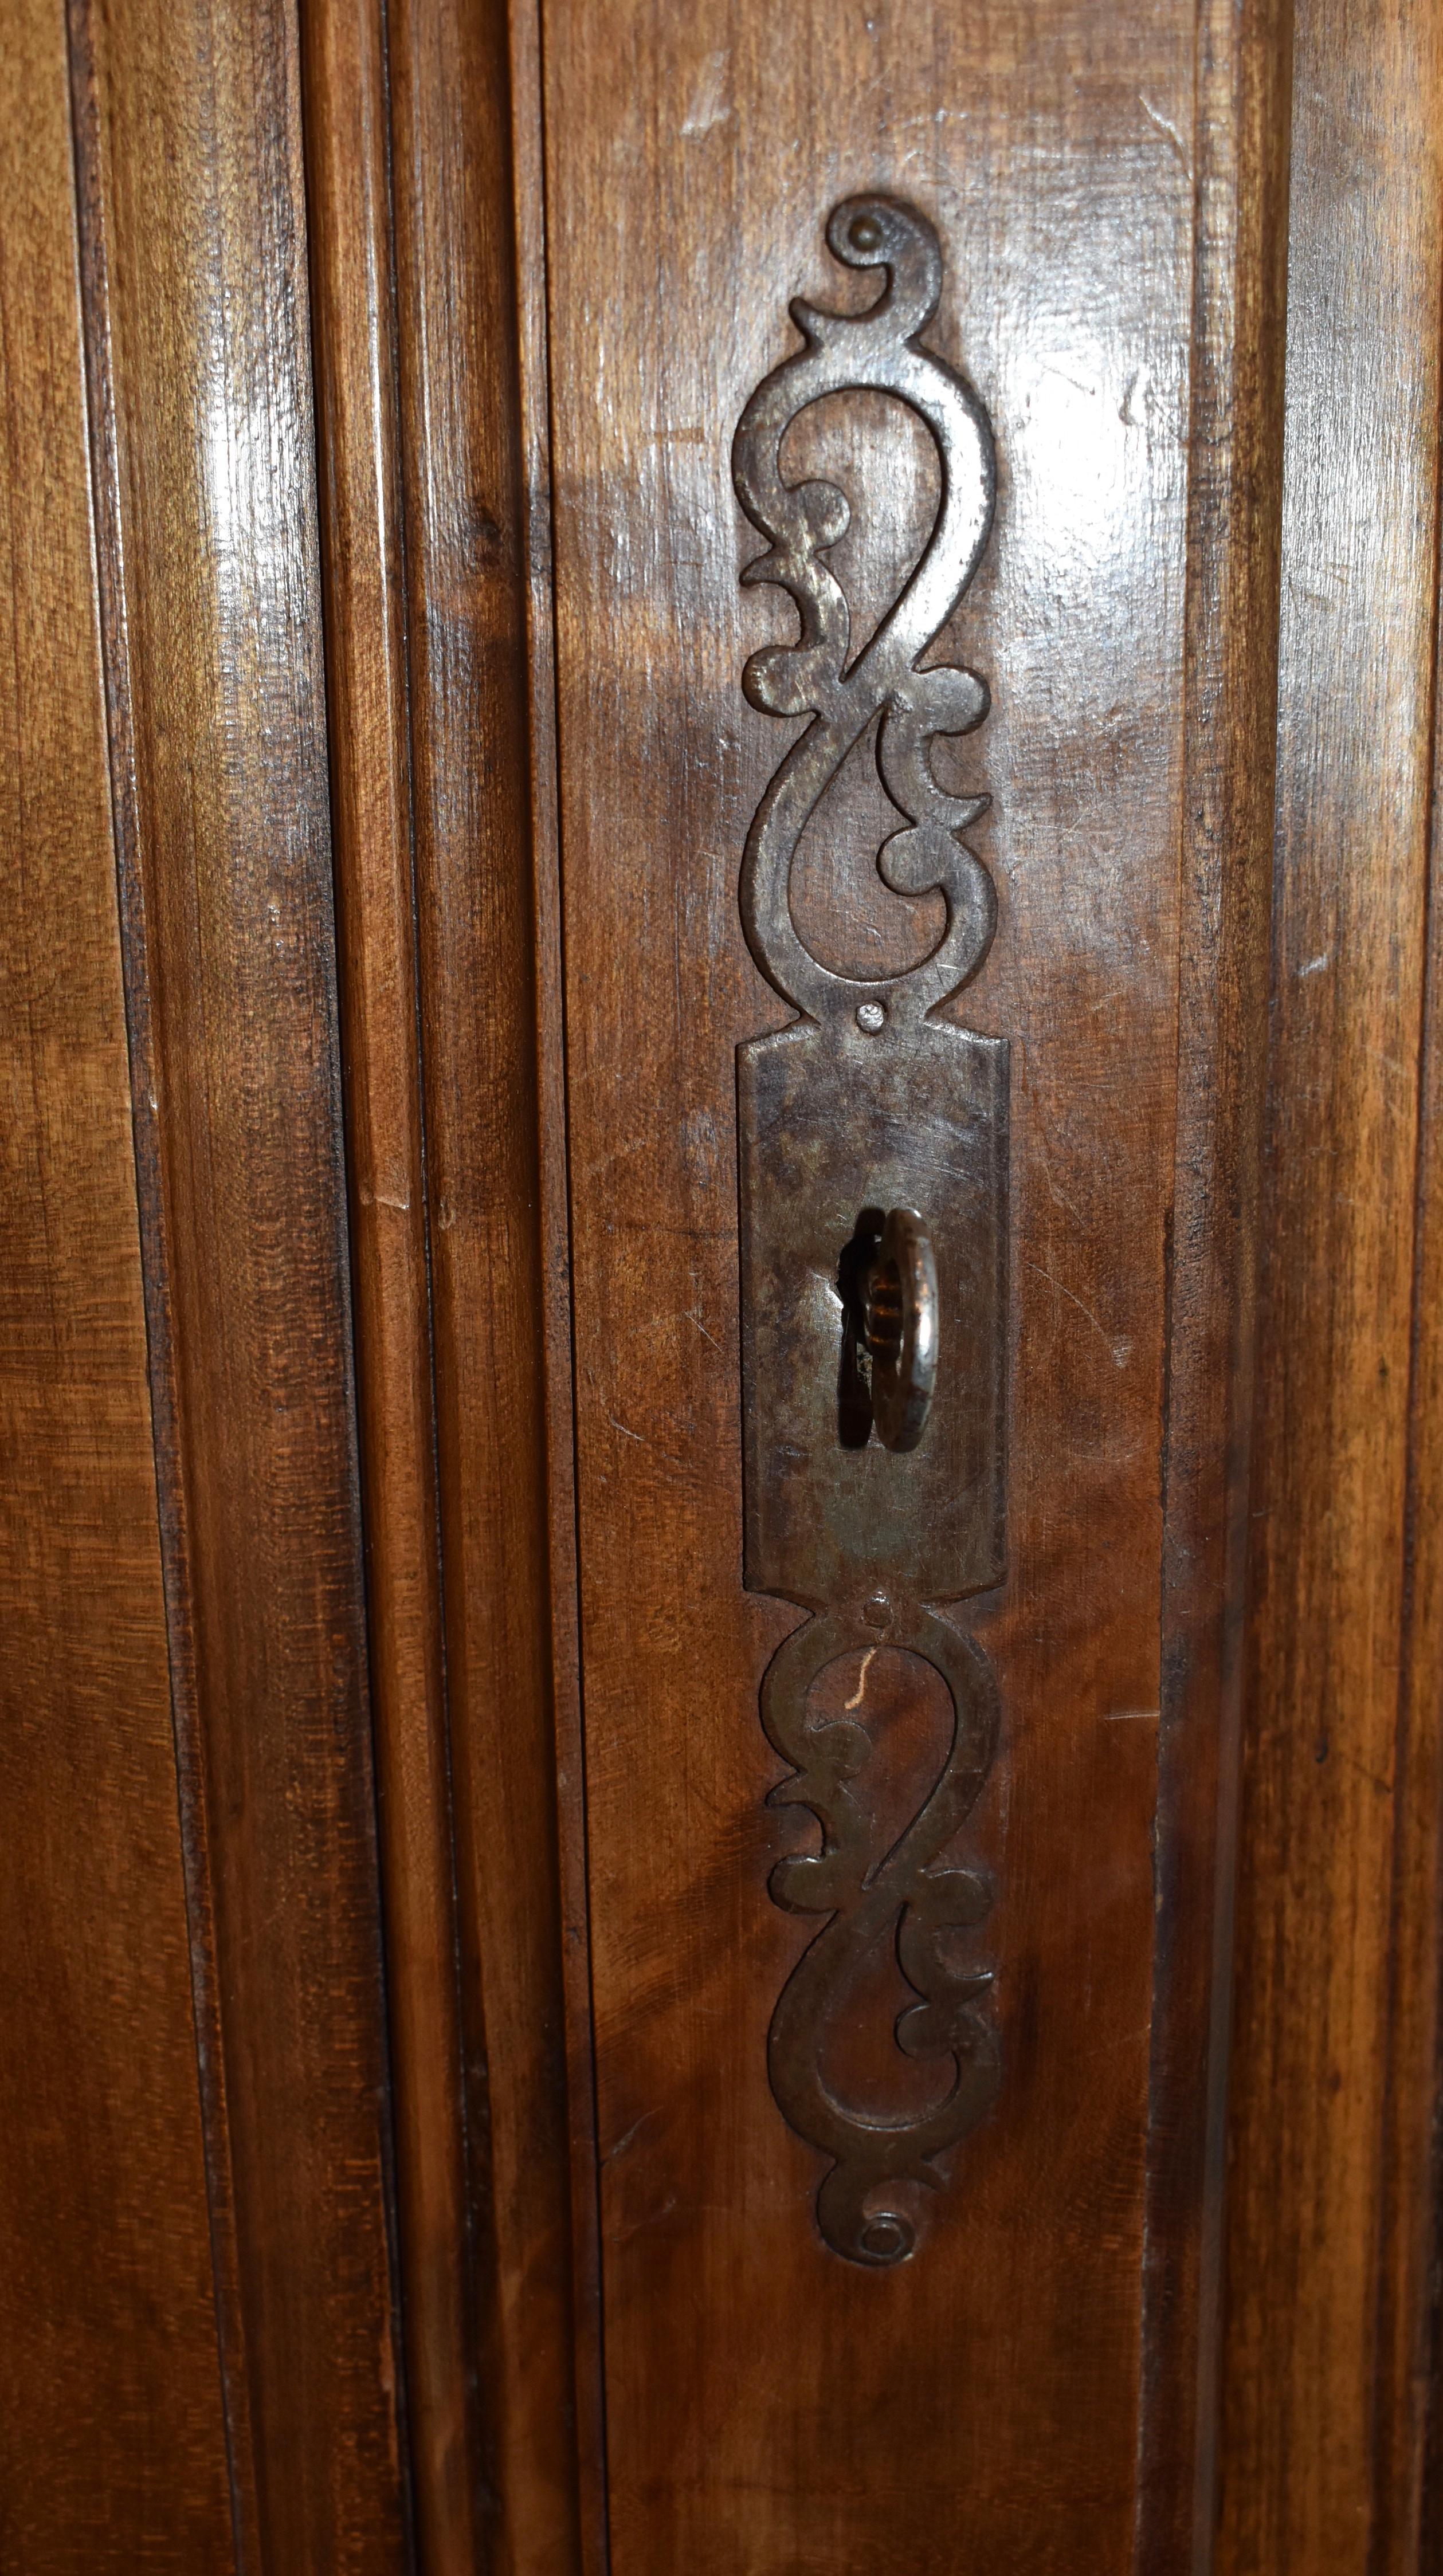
x,y
1240,144
1417,2338
426,485
1334,2060
529,162
463,483
112,2436
194,267
530,153
1408,2534
353,321
437,543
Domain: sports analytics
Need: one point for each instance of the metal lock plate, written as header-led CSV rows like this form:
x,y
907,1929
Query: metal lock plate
x,y
869,1105
834,1123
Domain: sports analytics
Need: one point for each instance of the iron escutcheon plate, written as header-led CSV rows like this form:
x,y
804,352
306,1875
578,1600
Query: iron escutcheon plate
x,y
835,1123
872,1122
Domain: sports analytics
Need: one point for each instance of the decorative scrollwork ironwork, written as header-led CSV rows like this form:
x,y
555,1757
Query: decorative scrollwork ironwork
x,y
865,1897
848,352
906,1891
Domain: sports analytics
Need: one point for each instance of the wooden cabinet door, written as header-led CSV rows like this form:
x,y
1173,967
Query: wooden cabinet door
x,y
720,1716
993,2352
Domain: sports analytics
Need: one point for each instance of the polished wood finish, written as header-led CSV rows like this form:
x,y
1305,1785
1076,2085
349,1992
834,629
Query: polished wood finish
x,y
768,2405
274,644
554,1209
353,308
429,535
1335,2058
112,2438
466,543
1412,2186
1240,155
193,265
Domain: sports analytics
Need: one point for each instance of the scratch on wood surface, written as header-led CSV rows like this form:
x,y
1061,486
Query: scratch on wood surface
x,y
856,1699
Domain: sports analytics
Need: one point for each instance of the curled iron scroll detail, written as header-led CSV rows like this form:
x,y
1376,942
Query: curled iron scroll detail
x,y
870,1098
875,349
866,1896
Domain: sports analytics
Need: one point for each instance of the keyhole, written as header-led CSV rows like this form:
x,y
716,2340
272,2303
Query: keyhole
x,y
887,1282
854,1376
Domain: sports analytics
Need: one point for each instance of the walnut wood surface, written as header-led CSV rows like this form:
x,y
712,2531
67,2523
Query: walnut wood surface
x,y
469,679
1411,2182
112,2439
548,250
465,537
353,300
417,332
194,279
1240,149
767,2405
1335,2077
469,676
554,1206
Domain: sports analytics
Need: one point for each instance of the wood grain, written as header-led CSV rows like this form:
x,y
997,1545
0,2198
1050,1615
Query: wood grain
x,y
112,2437
1412,2318
1409,2414
1240,154
468,533
200,2362
554,1179
768,2407
352,271
1335,2056
194,269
